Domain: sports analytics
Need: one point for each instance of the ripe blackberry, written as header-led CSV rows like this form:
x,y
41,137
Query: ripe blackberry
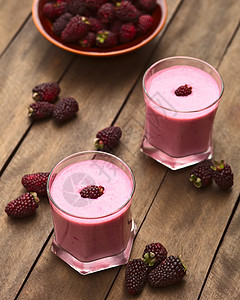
x,y
170,271
89,40
115,27
77,27
136,276
201,174
146,5
94,5
40,110
52,10
108,138
106,13
127,33
222,174
36,183
126,11
183,90
95,24
77,7
145,23
60,24
47,91
154,254
65,109
24,205
106,39
92,192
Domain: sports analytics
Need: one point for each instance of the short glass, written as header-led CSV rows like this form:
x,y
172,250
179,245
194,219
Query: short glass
x,y
178,138
102,238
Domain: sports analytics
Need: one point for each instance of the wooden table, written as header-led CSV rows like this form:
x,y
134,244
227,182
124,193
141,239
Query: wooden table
x,y
201,225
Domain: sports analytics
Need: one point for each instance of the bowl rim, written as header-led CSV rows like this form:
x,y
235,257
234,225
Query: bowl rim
x,y
36,20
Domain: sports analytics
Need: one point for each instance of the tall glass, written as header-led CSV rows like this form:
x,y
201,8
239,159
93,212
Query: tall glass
x,y
92,234
178,128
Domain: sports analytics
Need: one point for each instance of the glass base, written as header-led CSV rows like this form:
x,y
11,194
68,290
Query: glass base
x,y
85,268
174,163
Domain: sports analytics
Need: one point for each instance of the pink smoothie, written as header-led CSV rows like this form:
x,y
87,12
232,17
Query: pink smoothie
x,y
90,229
180,126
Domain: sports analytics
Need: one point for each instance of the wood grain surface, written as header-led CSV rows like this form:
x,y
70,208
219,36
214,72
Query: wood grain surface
x,y
13,14
17,82
201,225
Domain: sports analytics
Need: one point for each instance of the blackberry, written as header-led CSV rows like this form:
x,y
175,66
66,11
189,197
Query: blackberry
x,y
36,182
65,109
126,11
77,7
52,10
89,40
115,27
170,271
106,13
154,254
146,5
24,205
40,110
145,23
92,192
76,28
95,24
60,24
183,90
47,91
136,276
202,174
106,39
127,33
222,175
94,5
108,138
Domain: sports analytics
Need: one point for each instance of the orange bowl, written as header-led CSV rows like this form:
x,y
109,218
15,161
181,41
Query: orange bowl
x,y
44,27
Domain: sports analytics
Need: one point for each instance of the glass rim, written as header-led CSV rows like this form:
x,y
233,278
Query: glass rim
x,y
190,59
91,152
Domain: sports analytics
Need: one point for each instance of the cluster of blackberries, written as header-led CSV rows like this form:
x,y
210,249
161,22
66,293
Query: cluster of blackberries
x,y
204,172
99,23
44,94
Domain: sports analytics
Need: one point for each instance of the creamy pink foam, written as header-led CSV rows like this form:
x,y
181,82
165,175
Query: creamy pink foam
x,y
205,89
67,185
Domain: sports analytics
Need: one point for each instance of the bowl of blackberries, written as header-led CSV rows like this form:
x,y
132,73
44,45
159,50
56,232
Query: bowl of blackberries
x,y
99,27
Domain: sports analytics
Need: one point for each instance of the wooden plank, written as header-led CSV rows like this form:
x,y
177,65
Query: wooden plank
x,y
201,29
147,184
12,15
100,91
30,60
224,278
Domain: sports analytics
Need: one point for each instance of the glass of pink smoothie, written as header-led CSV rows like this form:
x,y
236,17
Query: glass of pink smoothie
x,y
181,96
92,234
